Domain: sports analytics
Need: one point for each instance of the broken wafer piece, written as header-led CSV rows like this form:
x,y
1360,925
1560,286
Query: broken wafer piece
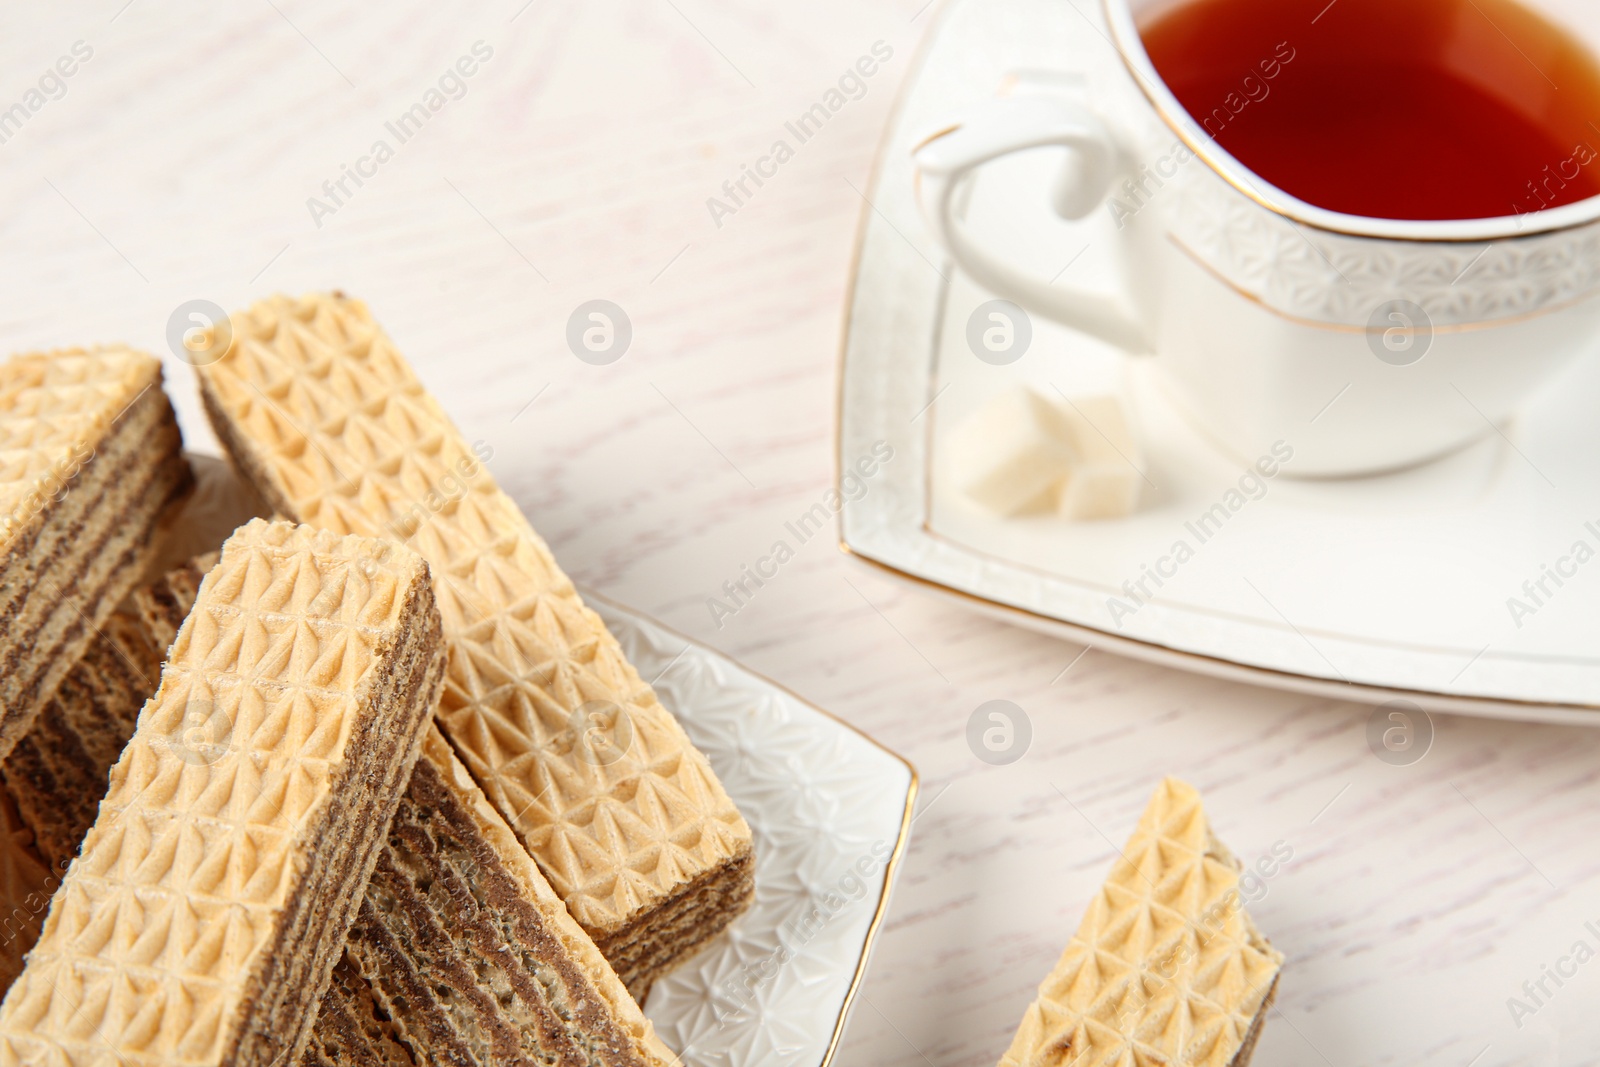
x,y
324,417
89,459
462,953
1166,967
202,919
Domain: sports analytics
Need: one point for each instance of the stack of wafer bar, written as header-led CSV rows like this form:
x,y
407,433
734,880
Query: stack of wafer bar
x,y
52,783
57,771
460,953
1166,967
330,425
202,920
89,459
56,774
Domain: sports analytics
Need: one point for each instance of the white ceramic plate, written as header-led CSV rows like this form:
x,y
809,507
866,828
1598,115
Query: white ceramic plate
x,y
830,809
1369,589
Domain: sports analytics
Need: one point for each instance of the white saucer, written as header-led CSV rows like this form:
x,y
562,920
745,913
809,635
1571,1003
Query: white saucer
x,y
1369,589
831,811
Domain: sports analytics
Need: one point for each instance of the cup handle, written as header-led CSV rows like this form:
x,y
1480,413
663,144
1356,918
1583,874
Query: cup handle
x,y
997,128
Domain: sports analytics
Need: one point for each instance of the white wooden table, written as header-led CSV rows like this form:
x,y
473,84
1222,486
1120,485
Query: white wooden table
x,y
576,166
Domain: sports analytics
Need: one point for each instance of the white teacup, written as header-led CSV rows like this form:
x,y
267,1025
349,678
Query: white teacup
x,y
1367,344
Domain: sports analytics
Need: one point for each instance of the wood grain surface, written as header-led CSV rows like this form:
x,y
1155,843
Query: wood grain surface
x,y
576,165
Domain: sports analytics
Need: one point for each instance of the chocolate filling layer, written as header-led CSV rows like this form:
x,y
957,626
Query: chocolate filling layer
x,y
658,940
280,1010
57,772
458,956
82,554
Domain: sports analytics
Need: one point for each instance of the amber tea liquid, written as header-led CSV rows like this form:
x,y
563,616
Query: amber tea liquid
x,y
1397,109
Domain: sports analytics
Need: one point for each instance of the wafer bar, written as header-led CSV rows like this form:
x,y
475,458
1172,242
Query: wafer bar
x,y
89,459
53,781
1166,967
324,417
162,605
201,922
57,771
463,954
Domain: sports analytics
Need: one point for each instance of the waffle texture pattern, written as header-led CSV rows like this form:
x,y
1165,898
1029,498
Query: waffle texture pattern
x,y
210,898
326,419
1166,967
89,459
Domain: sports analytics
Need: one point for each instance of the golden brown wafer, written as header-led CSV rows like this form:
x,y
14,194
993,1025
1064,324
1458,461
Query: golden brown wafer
x,y
1166,966
89,460
324,417
201,922
462,953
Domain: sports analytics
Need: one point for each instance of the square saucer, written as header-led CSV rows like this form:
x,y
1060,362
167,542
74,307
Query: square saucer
x,y
1414,585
